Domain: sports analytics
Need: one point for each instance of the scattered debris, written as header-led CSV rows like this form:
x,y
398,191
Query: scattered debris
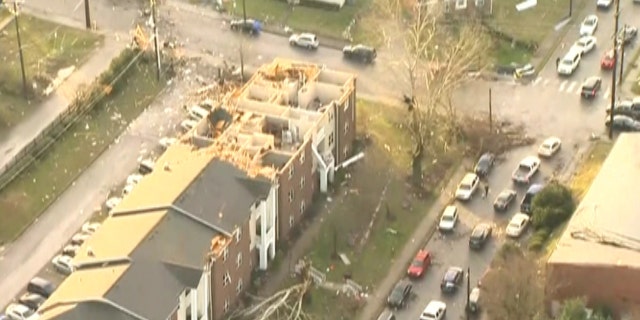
x,y
344,259
62,75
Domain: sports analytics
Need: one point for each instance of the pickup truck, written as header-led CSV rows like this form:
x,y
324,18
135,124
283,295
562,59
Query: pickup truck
x,y
527,168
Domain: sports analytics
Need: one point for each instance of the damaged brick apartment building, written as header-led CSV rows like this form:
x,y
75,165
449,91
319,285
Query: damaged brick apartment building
x,y
183,244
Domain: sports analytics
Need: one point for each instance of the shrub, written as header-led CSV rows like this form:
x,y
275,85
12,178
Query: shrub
x,y
552,206
538,239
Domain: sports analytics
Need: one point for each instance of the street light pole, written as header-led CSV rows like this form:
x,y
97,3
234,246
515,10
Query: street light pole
x,y
87,14
16,13
155,38
570,7
490,113
615,67
621,57
244,11
468,291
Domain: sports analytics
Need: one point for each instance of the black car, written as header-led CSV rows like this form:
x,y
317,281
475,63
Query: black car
x,y
504,199
479,236
623,123
249,26
590,87
360,52
627,34
485,163
626,108
400,294
451,280
32,300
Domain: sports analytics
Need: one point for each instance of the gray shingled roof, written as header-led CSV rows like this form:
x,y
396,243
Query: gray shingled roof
x,y
95,311
222,195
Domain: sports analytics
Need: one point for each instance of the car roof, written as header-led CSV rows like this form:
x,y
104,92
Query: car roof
x,y
591,81
451,273
482,226
434,305
585,38
449,210
506,192
519,217
535,188
306,34
529,160
550,140
591,17
422,254
486,156
469,177
19,307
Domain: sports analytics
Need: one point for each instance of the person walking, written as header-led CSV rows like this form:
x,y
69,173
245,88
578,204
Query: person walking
x,y
557,62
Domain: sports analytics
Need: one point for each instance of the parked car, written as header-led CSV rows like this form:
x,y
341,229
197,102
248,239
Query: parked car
x,y
400,294
627,34
451,280
590,87
63,264
90,227
304,40
166,142
504,199
435,310
41,286
585,44
603,4
198,113
549,147
70,250
517,225
32,300
468,186
589,25
419,265
127,189
188,124
484,164
480,235
17,311
623,123
527,200
627,108
570,62
80,238
448,219
527,168
146,166
134,178
360,52
608,60
112,202
250,26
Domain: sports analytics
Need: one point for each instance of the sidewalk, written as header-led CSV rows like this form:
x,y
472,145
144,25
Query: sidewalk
x,y
22,134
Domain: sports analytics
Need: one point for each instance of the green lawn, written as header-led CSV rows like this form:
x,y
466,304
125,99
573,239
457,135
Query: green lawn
x,y
506,53
25,198
47,47
387,154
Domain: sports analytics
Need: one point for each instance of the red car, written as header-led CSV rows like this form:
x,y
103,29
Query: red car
x,y
419,264
608,61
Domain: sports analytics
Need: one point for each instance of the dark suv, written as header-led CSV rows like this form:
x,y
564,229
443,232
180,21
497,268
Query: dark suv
x,y
360,52
590,87
400,294
249,26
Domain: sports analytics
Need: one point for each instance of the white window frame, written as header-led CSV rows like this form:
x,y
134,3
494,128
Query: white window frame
x,y
226,305
447,5
239,286
238,234
292,170
303,206
303,182
347,104
292,195
292,220
460,4
225,254
226,279
331,139
302,157
346,127
479,3
239,260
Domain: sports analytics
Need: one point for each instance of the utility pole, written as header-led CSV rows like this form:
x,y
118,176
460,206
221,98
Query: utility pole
x,y
87,14
621,57
570,8
155,38
16,13
244,12
615,67
468,291
242,61
490,113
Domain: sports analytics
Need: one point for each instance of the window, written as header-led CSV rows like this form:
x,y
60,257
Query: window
x,y
447,5
226,279
302,207
302,157
347,105
225,254
346,127
291,195
302,182
291,171
239,286
226,305
238,234
239,259
331,138
479,3
345,152
291,221
461,4
331,115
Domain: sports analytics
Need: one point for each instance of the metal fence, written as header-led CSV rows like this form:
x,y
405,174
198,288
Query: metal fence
x,y
77,108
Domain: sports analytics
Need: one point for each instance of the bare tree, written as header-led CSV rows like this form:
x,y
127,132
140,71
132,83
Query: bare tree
x,y
437,58
513,288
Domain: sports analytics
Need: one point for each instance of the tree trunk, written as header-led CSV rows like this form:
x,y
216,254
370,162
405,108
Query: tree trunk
x,y
416,163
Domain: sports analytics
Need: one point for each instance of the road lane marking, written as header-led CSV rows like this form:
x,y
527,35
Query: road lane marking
x,y
579,90
562,85
573,84
536,81
607,94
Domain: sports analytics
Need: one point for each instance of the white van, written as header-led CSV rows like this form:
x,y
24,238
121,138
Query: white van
x,y
198,113
570,62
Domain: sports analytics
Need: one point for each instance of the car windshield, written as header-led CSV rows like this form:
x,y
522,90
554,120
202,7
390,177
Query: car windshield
x,y
514,224
566,62
503,197
416,263
450,275
589,22
477,233
447,218
464,186
397,292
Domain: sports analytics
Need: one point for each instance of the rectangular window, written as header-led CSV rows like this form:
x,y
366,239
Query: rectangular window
x,y
226,279
479,3
291,221
226,305
447,5
331,138
302,207
238,234
291,195
239,260
346,127
239,286
461,4
302,182
347,105
291,171
302,157
225,254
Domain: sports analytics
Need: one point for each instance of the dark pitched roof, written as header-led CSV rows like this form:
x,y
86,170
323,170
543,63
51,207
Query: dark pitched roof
x,y
163,265
95,310
222,195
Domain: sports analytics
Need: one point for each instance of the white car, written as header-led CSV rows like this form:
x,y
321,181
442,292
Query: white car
x,y
166,142
448,219
70,250
90,227
127,189
585,44
188,124
63,264
517,225
467,186
304,40
603,4
17,311
435,310
549,147
134,178
112,203
589,25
